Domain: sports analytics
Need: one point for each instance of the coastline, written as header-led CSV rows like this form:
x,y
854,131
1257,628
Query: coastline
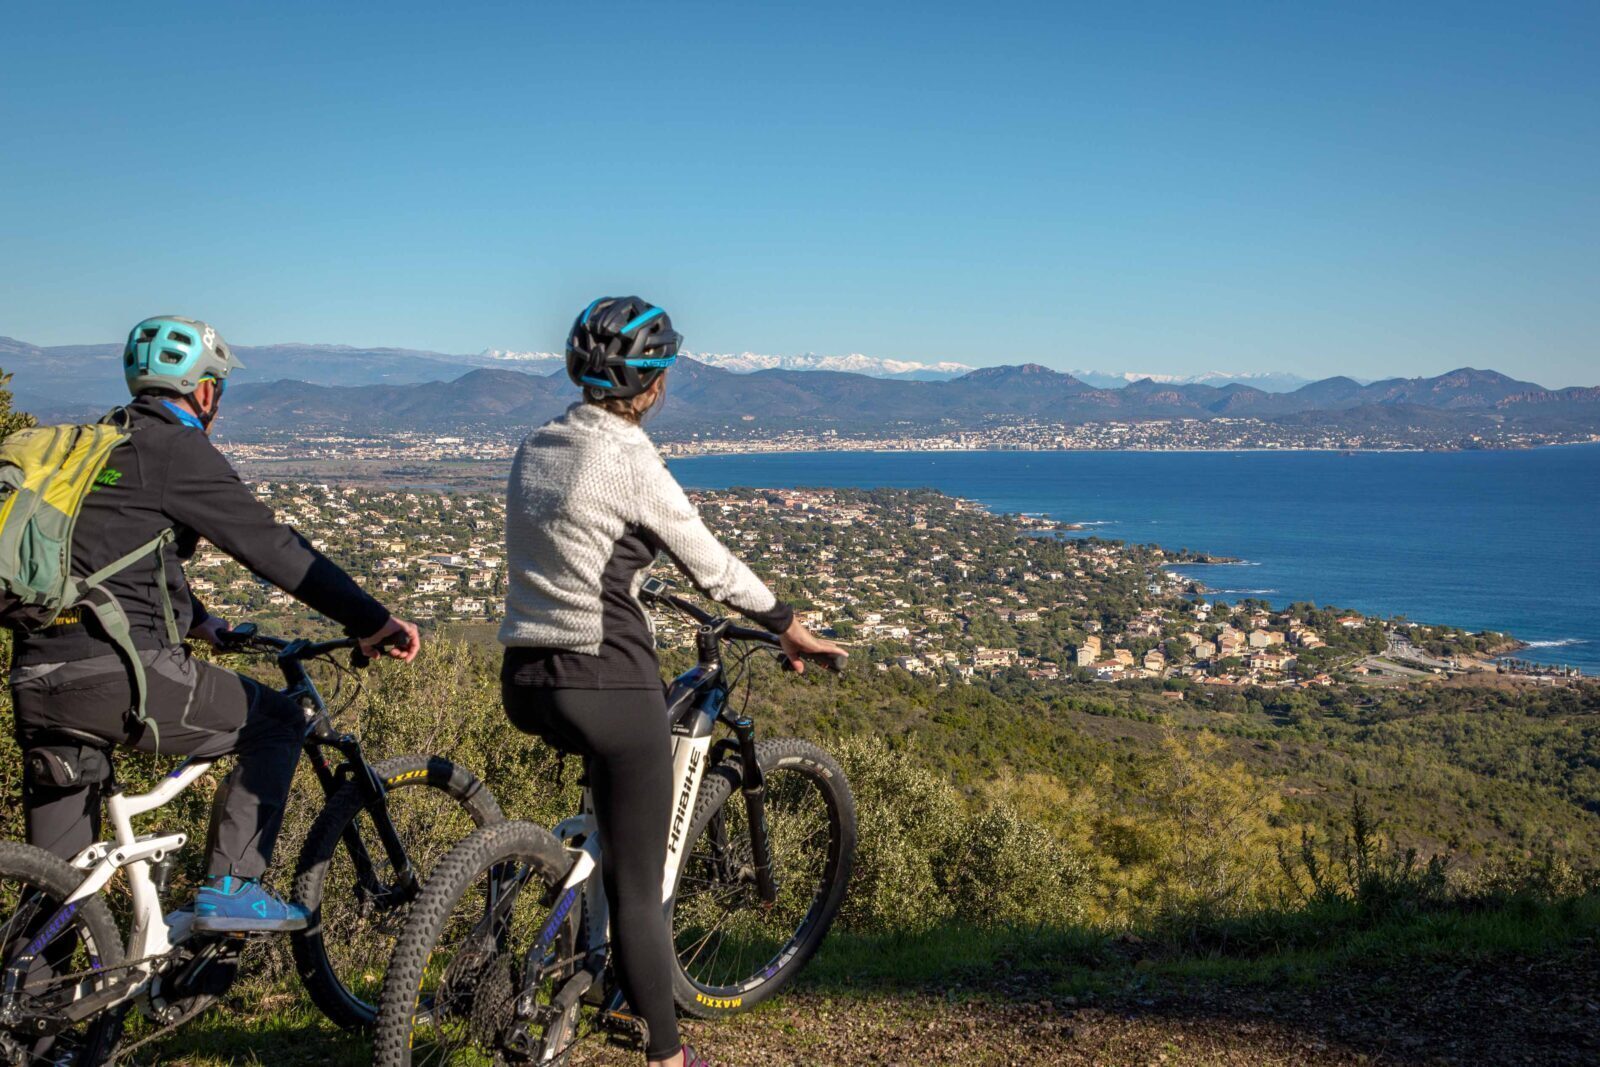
x,y
1500,541
866,449
1489,661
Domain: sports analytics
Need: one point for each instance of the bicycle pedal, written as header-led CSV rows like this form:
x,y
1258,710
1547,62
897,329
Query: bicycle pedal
x,y
624,1029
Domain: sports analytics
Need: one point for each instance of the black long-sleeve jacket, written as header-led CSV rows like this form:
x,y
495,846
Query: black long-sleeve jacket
x,y
169,474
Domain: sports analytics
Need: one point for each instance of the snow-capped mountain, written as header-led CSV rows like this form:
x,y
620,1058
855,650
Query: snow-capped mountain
x,y
878,367
501,355
750,362
1267,381
854,363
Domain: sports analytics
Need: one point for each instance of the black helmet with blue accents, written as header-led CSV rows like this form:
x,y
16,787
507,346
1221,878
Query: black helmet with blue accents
x,y
619,346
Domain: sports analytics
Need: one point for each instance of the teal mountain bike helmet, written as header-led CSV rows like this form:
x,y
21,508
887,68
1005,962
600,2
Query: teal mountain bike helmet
x,y
619,345
172,353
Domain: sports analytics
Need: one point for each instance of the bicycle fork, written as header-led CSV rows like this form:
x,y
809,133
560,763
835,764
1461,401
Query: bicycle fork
x,y
374,797
753,784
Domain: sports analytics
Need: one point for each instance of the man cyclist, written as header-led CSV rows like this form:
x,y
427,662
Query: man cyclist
x,y
70,684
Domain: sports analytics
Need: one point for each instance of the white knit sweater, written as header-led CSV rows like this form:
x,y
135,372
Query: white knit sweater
x,y
580,485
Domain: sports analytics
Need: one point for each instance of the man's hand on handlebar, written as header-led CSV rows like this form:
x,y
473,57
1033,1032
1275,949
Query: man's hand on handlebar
x,y
799,643
213,631
397,638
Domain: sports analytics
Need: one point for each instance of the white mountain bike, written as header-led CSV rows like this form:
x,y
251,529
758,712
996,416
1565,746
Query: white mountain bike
x,y
67,980
509,941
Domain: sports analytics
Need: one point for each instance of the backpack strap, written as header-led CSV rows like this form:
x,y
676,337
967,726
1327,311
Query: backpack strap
x,y
120,417
114,621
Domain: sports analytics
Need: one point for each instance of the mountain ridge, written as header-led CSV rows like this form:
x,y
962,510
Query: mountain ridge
x,y
43,367
383,390
710,400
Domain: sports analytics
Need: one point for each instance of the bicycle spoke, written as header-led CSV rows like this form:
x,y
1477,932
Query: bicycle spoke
x,y
69,955
725,934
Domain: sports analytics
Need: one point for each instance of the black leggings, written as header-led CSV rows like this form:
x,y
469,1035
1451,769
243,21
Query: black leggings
x,y
623,738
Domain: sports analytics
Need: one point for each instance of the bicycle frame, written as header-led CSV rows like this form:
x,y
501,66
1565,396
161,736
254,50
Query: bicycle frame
x,y
696,702
149,940
580,833
149,934
355,767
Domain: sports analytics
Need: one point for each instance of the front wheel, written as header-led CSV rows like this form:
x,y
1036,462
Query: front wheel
x,y
735,950
357,909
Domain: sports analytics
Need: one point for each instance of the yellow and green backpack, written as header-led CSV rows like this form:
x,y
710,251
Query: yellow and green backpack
x,y
46,472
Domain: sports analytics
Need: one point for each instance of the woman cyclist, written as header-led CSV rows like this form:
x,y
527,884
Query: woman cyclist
x,y
590,506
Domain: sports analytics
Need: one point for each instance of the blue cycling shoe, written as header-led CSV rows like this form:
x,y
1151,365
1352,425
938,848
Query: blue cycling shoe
x,y
230,905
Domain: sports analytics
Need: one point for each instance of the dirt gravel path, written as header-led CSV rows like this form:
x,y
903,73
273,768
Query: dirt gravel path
x,y
1509,1011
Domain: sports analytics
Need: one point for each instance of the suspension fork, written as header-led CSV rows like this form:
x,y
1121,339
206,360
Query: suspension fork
x,y
753,784
374,798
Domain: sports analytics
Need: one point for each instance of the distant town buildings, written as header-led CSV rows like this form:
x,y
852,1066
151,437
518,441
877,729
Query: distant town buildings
x,y
914,581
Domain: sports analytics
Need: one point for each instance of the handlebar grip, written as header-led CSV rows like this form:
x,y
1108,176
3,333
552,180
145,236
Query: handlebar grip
x,y
832,662
360,660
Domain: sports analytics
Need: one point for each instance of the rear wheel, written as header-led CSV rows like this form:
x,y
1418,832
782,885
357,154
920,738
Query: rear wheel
x,y
355,916
734,950
33,886
479,963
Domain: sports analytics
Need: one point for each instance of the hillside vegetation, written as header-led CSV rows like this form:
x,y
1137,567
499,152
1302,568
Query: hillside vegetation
x,y
1057,871
1023,866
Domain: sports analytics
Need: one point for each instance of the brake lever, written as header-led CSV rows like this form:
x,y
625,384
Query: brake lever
x,y
361,661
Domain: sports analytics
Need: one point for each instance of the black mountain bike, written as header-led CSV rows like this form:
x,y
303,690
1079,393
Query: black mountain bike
x,y
509,941
70,979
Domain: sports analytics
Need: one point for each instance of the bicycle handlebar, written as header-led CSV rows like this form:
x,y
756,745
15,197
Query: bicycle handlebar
x,y
291,648
735,632
688,607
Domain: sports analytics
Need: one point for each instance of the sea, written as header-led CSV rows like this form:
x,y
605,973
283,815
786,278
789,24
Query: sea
x,y
1498,540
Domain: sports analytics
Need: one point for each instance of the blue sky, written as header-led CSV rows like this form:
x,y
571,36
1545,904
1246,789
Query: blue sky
x,y
1368,189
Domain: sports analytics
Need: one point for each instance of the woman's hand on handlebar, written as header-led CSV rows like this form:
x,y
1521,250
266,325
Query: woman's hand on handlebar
x,y
397,638
798,643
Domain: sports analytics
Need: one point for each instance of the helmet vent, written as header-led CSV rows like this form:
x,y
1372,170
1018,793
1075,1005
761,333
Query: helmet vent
x,y
172,355
181,338
148,333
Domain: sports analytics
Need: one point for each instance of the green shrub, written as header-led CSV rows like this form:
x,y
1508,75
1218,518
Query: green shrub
x,y
908,817
1545,878
1004,870
1363,869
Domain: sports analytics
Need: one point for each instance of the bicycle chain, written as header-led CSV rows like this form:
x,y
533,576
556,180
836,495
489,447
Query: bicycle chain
x,y
202,1002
